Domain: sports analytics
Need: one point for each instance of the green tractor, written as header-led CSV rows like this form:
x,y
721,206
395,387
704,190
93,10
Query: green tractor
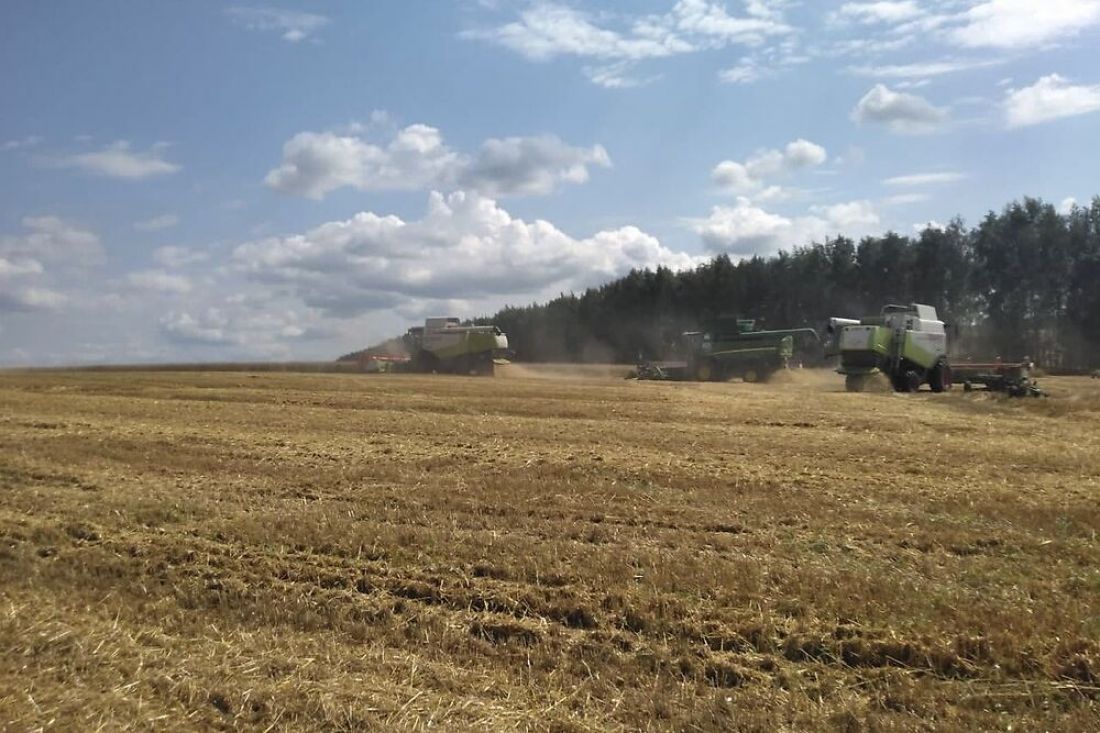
x,y
444,345
906,343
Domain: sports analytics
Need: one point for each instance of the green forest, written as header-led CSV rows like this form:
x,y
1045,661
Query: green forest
x,y
1023,282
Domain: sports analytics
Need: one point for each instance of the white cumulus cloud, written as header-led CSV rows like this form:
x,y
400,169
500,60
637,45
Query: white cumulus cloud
x,y
159,281
617,75
19,267
242,324
31,262
417,158
26,299
1050,98
751,175
37,263
886,11
175,257
901,112
465,247
711,21
1012,24
210,327
547,30
747,71
49,238
120,161
745,229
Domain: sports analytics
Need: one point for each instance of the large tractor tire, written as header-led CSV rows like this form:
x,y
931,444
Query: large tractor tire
x,y
706,371
425,362
907,381
913,381
482,365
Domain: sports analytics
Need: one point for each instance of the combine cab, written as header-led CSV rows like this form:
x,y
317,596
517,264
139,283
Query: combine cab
x,y
444,345
907,343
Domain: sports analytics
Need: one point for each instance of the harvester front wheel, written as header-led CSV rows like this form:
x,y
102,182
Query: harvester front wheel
x,y
704,371
485,365
907,381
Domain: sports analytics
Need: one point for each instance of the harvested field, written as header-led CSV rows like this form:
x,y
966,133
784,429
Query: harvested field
x,y
344,552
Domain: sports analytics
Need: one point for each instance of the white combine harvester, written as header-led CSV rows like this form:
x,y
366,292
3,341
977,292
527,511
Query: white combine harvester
x,y
445,345
907,343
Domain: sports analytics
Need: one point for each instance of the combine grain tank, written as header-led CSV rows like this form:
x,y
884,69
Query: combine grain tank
x,y
445,345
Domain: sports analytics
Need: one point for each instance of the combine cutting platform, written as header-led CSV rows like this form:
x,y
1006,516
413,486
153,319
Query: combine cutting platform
x,y
1012,378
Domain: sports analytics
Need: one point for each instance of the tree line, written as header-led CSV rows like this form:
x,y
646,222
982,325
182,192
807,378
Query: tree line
x,y
1023,282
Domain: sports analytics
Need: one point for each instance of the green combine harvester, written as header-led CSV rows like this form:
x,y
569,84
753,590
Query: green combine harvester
x,y
729,348
444,345
906,343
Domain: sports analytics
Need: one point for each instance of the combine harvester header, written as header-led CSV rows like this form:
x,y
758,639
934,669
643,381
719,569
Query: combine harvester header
x,y
381,363
1012,378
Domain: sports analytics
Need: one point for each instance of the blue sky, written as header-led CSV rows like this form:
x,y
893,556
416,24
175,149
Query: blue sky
x,y
206,181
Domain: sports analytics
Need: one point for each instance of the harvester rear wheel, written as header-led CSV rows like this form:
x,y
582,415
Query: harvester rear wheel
x,y
855,382
751,376
486,367
940,378
704,371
